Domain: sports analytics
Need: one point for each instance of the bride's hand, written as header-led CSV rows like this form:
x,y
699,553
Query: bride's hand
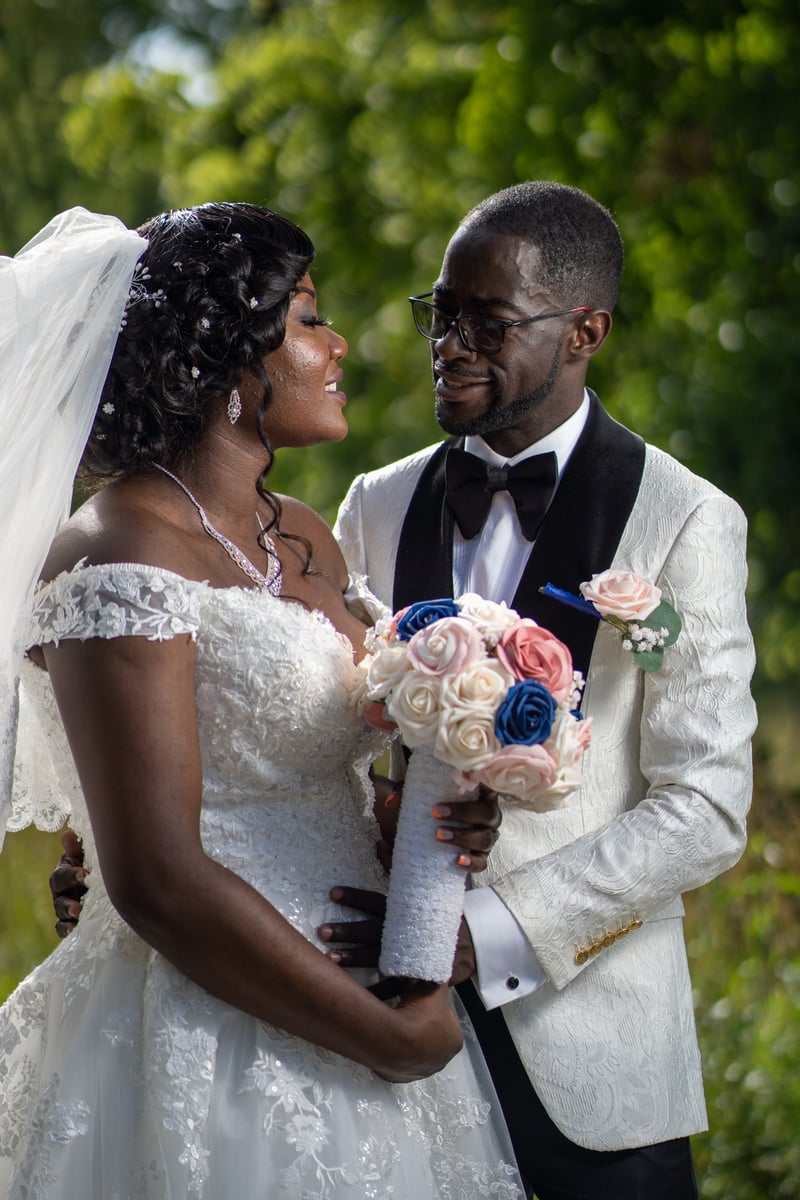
x,y
427,1033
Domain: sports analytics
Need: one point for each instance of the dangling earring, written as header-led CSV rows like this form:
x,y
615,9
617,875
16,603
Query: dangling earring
x,y
234,406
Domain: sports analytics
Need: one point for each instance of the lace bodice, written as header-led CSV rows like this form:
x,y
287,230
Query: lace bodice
x,y
276,691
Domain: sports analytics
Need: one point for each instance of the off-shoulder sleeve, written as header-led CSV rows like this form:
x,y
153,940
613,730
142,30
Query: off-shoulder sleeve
x,y
115,600
109,601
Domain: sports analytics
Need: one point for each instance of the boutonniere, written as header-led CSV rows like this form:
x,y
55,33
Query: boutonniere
x,y
634,606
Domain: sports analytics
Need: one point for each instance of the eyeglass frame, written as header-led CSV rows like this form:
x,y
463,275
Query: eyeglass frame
x,y
501,324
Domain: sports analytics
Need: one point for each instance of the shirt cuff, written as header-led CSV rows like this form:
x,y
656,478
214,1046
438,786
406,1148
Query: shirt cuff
x,y
508,967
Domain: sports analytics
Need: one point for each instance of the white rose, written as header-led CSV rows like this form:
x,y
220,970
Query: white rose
x,y
359,695
414,705
466,739
556,795
564,743
490,618
385,668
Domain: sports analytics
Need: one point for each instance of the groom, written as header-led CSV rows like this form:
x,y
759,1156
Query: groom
x,y
585,1010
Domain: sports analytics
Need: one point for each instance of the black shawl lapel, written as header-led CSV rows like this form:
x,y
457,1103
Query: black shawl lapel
x,y
423,568
583,527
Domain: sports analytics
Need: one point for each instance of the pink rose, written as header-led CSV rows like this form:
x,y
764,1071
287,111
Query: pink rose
x,y
445,647
530,652
584,735
622,594
520,772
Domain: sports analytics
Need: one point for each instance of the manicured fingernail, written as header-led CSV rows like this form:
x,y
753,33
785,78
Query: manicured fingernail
x,y
334,957
80,875
391,800
325,932
464,860
444,835
441,810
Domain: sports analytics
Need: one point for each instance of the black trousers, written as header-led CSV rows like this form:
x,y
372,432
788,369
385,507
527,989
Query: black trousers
x,y
553,1167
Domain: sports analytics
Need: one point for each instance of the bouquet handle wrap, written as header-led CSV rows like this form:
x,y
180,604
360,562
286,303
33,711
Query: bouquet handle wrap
x,y
426,888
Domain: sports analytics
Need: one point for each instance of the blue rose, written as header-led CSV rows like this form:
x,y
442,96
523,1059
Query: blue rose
x,y
423,613
526,715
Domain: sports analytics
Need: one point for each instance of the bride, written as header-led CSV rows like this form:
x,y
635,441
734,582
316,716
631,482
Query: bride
x,y
187,700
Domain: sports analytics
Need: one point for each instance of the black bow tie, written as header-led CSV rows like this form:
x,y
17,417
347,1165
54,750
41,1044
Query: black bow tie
x,y
471,483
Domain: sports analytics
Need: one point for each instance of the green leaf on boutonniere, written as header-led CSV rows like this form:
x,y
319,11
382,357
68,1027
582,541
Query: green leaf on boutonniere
x,y
649,660
664,617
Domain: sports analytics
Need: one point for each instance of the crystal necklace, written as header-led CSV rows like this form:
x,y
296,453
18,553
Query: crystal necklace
x,y
272,582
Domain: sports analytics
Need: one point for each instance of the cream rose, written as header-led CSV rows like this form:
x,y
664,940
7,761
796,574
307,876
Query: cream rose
x,y
385,668
622,594
445,646
490,618
466,739
414,705
482,684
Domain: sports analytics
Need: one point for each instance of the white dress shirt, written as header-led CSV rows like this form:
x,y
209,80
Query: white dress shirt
x,y
492,564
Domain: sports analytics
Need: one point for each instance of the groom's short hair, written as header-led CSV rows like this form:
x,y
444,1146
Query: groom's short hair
x,y
577,238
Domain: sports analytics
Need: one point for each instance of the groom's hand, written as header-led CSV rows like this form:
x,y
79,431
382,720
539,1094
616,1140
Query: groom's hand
x,y
67,883
471,826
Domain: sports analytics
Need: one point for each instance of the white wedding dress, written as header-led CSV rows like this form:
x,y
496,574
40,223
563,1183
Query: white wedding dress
x,y
120,1079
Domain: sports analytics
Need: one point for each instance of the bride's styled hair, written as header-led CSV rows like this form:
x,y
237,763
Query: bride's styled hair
x,y
208,301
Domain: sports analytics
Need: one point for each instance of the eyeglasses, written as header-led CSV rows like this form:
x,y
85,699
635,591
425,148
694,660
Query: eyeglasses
x,y
480,335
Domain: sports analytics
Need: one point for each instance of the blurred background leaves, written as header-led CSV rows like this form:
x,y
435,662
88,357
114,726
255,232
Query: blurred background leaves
x,y
377,126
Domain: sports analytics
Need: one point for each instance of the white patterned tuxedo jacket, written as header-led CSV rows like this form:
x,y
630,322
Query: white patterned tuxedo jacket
x,y
609,1041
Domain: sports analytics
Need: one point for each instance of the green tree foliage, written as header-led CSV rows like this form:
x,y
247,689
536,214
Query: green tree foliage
x,y
745,962
46,50
377,126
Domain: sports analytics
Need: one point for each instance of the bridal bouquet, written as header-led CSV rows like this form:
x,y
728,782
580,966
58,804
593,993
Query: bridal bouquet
x,y
481,696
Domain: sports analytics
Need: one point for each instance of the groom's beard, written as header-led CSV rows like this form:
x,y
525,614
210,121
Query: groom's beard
x,y
500,415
